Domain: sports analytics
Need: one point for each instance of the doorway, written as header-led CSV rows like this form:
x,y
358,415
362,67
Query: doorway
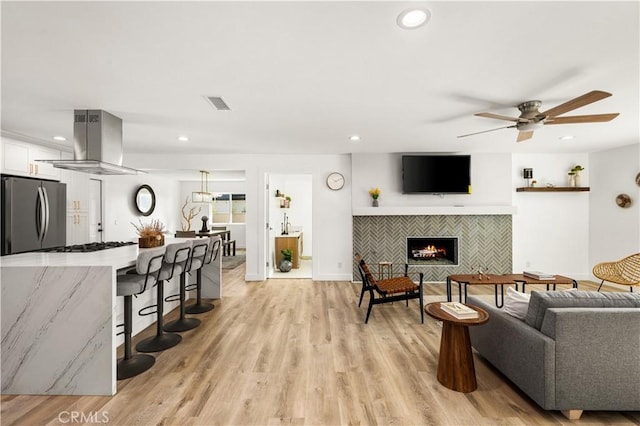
x,y
289,215
95,210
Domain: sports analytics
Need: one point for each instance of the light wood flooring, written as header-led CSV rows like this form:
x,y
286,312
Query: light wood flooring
x,y
297,352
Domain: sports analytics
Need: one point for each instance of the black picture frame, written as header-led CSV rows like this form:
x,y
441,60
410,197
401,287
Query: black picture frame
x,y
145,200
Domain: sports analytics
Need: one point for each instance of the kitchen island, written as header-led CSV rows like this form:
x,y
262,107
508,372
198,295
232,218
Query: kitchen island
x,y
59,317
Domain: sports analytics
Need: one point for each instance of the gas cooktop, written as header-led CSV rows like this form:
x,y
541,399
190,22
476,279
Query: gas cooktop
x,y
82,248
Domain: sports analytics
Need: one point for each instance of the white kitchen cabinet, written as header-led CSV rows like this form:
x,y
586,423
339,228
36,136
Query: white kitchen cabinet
x,y
19,158
77,205
77,228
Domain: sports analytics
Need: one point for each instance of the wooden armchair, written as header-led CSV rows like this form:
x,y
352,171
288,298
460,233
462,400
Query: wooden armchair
x,y
625,271
388,290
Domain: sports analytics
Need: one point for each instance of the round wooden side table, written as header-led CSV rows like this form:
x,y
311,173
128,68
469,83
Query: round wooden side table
x,y
455,364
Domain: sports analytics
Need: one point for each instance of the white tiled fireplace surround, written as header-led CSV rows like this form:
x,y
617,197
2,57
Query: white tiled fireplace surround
x,y
484,240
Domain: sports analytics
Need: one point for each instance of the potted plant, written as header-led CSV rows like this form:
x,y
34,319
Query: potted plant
x,y
288,203
150,234
574,175
285,263
375,193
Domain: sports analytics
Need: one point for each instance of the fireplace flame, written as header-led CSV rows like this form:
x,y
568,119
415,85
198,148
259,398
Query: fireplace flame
x,y
429,251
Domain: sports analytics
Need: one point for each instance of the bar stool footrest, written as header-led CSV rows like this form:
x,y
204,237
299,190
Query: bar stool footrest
x,y
172,298
142,312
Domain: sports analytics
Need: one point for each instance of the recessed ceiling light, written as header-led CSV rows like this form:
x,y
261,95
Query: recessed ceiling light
x,y
566,138
59,138
354,138
183,138
413,18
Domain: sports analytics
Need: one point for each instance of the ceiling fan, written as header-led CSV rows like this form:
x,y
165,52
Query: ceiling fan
x,y
531,118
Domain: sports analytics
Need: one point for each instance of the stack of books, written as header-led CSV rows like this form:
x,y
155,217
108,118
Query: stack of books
x,y
458,310
539,275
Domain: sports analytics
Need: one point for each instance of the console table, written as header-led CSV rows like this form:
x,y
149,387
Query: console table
x,y
293,242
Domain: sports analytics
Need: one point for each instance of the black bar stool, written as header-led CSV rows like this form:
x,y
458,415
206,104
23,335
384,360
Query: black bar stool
x,y
175,260
196,259
212,254
148,265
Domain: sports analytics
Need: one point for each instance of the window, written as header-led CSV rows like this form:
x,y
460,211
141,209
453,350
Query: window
x,y
229,208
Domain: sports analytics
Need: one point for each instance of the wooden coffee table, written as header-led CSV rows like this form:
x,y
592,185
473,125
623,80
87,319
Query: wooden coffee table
x,y
465,280
456,370
558,279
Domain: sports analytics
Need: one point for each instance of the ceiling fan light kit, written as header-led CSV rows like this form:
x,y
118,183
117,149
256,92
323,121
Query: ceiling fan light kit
x,y
532,119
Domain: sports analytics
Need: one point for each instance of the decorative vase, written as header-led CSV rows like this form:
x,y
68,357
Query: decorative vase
x,y
572,180
375,202
285,265
576,179
151,241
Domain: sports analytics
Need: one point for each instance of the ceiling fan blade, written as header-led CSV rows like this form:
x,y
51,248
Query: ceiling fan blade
x,y
575,103
486,131
496,116
523,136
594,118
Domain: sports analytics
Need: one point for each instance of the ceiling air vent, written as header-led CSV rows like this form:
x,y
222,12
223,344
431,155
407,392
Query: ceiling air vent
x,y
218,103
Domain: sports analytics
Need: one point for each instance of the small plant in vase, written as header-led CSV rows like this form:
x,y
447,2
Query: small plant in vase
x,y
150,234
375,193
286,264
574,175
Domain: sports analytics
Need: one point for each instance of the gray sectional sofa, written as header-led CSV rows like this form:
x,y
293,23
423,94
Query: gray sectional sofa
x,y
574,351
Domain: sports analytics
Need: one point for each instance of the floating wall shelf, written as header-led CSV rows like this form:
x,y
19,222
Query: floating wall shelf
x,y
554,189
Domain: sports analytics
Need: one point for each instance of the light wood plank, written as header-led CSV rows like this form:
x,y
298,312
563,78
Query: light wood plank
x,y
297,352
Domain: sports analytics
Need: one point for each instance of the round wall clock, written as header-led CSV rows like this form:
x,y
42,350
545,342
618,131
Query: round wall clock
x,y
623,200
335,181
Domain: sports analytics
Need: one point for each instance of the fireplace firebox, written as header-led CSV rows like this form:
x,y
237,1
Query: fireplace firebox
x,y
435,251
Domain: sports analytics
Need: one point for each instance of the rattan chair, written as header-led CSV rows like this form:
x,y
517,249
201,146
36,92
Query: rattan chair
x,y
625,271
390,289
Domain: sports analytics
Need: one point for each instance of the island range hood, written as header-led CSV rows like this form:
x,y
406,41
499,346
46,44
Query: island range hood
x,y
97,145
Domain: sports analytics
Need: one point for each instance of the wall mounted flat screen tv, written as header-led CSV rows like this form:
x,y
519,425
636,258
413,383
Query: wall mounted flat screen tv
x,y
436,174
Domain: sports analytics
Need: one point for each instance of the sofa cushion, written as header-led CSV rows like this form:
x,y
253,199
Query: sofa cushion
x,y
516,304
542,300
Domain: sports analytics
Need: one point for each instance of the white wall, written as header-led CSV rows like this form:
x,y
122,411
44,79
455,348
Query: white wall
x,y
119,208
490,180
615,231
551,229
332,222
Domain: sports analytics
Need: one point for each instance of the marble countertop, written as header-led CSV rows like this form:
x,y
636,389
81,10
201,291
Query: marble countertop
x,y
119,257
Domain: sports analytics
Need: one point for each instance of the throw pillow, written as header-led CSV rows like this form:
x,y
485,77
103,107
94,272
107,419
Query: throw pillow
x,y
516,304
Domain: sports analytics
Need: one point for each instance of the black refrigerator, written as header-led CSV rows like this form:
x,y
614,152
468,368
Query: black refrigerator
x,y
33,214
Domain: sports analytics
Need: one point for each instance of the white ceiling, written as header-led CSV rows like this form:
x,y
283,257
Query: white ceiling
x,y
300,77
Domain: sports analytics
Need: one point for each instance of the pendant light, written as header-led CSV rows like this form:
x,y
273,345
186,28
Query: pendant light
x,y
202,196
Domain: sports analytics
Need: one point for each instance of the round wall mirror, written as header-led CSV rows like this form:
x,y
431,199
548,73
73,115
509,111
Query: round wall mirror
x,y
145,200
